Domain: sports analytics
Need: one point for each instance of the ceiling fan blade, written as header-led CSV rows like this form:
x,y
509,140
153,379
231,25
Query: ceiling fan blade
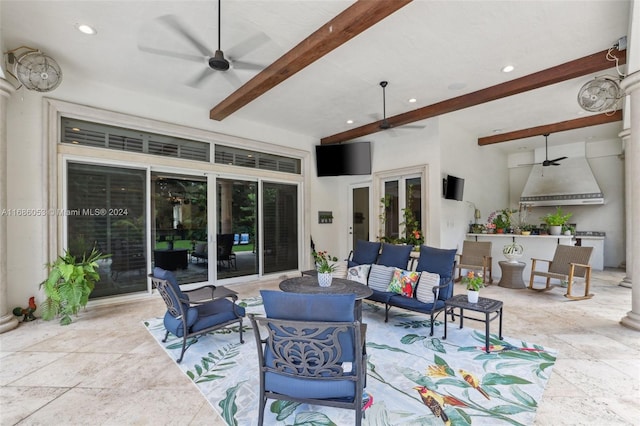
x,y
248,45
411,126
239,65
233,79
162,52
200,78
174,24
558,159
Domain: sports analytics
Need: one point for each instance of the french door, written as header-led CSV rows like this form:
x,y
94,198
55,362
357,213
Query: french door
x,y
359,227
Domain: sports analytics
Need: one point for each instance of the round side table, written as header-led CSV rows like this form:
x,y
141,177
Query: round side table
x,y
512,274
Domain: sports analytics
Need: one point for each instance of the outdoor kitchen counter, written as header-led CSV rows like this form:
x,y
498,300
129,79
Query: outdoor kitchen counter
x,y
535,246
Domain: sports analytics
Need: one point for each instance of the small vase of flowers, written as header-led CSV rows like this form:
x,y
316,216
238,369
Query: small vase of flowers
x,y
474,282
325,267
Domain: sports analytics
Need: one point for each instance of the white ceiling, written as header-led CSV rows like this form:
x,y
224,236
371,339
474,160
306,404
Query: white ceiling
x,y
422,49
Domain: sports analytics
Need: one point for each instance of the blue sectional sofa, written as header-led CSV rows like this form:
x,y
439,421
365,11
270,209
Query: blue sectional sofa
x,y
397,280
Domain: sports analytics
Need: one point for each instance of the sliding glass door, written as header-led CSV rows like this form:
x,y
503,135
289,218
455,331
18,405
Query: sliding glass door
x,y
280,227
237,229
179,233
106,210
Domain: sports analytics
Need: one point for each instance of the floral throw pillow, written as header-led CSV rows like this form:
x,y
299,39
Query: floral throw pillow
x,y
359,273
424,292
403,282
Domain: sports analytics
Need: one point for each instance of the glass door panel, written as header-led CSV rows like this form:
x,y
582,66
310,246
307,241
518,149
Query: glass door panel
x,y
391,211
236,230
179,235
413,212
107,211
280,227
360,214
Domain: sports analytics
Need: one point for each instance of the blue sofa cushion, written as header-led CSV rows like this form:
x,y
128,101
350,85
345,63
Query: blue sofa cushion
x,y
438,261
307,388
308,307
381,296
413,304
174,325
216,312
313,307
173,282
365,252
395,255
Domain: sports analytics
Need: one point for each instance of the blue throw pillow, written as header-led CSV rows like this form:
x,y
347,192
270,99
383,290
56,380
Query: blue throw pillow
x,y
308,307
365,252
437,261
395,255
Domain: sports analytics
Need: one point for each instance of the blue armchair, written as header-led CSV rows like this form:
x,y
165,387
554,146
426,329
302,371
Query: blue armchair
x,y
310,350
193,313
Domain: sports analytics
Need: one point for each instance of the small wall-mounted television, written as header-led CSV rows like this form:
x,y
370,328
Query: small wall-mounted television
x,y
344,159
452,188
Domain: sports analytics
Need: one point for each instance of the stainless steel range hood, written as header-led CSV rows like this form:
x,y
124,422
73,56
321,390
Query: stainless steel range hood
x,y
570,183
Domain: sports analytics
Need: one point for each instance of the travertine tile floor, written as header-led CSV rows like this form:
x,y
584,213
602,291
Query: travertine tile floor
x,y
105,369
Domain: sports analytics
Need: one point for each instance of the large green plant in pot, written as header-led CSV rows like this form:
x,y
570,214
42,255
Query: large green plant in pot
x,y
69,284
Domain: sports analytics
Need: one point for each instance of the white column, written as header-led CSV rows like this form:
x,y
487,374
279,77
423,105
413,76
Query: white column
x,y
625,135
7,320
631,86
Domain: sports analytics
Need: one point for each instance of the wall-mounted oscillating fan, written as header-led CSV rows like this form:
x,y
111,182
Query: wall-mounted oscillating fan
x,y
600,95
36,71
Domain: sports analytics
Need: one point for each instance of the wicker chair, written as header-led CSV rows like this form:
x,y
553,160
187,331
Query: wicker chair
x,y
568,262
476,256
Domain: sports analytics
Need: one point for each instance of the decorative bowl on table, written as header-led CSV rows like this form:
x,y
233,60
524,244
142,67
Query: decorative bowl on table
x,y
513,252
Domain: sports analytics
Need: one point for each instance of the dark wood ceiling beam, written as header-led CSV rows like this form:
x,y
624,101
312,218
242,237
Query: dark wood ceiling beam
x,y
578,123
576,68
357,18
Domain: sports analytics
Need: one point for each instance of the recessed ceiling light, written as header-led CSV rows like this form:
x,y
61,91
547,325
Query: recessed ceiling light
x,y
508,68
498,130
86,29
413,100
349,121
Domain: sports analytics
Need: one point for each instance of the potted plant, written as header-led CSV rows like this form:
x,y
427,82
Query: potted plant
x,y
474,282
324,267
69,284
556,220
526,228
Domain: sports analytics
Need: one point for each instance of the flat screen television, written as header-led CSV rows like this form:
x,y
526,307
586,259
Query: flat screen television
x,y
344,159
453,187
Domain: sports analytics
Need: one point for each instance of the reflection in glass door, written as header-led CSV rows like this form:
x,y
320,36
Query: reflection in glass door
x,y
179,235
236,230
107,211
280,227
360,214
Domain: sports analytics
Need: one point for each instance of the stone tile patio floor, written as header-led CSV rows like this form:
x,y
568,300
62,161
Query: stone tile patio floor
x,y
106,369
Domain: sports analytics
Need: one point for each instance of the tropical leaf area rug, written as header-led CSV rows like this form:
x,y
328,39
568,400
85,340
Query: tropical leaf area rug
x,y
413,379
